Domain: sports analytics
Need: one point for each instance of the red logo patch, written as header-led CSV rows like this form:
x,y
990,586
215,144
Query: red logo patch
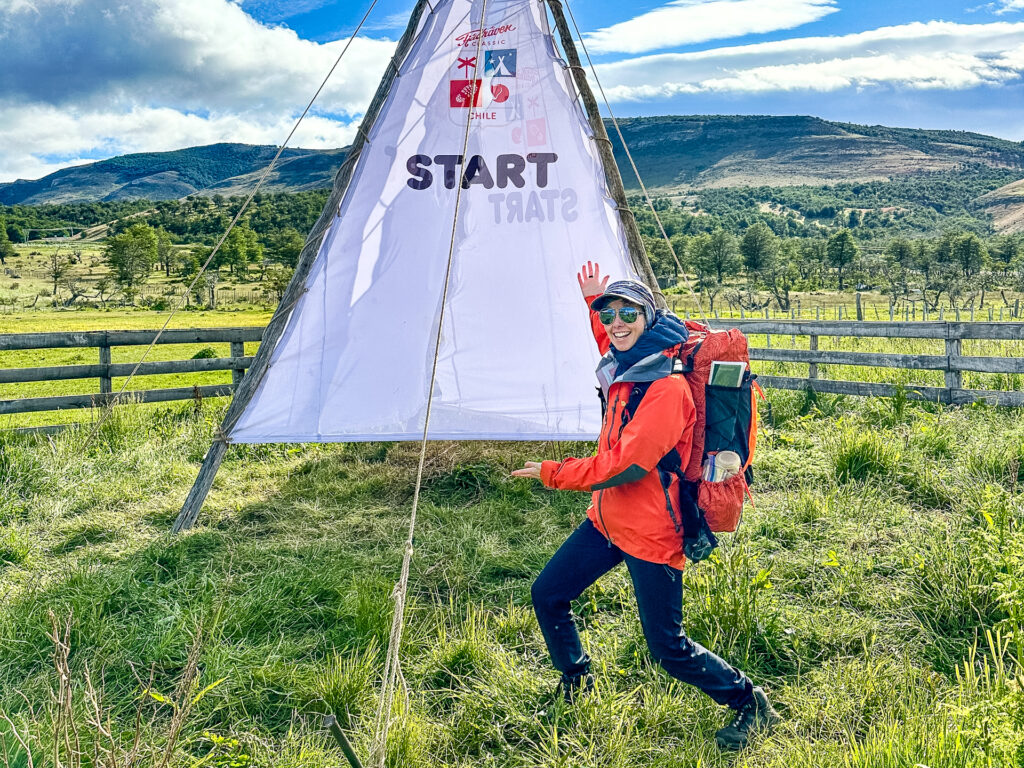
x,y
465,93
500,93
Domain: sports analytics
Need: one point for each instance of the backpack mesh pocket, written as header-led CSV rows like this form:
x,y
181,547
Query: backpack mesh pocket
x,y
722,502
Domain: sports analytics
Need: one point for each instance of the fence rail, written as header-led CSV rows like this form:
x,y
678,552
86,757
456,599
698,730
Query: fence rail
x,y
105,371
953,363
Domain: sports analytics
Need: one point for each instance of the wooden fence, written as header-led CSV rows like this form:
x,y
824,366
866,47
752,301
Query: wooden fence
x,y
952,363
105,371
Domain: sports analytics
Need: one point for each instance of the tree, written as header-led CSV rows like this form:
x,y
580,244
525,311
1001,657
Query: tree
x,y
6,249
1005,254
164,251
277,279
758,247
14,233
841,250
131,256
713,258
240,249
662,263
57,267
810,262
284,247
722,256
779,274
896,267
970,253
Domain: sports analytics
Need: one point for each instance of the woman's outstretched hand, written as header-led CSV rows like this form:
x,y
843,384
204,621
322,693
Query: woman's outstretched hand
x,y
590,280
530,469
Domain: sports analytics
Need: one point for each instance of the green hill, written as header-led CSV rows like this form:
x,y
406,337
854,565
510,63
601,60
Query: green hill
x,y
164,175
732,151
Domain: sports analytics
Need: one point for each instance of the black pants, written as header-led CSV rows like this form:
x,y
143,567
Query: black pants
x,y
587,555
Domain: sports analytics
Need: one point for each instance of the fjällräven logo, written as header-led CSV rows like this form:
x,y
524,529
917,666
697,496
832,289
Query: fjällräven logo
x,y
470,38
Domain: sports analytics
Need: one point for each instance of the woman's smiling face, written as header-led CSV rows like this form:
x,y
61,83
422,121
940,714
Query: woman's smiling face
x,y
621,334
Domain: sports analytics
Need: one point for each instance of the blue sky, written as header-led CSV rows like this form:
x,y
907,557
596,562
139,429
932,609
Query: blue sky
x,y
88,79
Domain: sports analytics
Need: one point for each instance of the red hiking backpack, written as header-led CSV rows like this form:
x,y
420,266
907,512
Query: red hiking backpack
x,y
726,421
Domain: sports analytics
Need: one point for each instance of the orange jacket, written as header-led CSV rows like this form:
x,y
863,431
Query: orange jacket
x,y
629,504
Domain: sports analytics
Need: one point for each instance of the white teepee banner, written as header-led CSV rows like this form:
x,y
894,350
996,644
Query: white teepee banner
x,y
516,358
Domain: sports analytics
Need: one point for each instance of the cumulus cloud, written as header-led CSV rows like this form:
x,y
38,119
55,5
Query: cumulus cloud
x,y
87,78
683,22
930,55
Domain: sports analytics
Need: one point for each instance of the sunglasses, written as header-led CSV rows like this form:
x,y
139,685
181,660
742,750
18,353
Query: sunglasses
x,y
627,314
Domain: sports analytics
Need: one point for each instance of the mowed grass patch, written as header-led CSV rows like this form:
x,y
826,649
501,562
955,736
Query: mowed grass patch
x,y
875,589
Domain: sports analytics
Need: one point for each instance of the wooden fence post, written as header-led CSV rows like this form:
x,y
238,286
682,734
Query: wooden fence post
x,y
954,379
237,350
1016,309
860,310
812,368
106,382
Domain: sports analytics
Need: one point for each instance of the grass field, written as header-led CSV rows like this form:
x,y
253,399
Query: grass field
x,y
877,590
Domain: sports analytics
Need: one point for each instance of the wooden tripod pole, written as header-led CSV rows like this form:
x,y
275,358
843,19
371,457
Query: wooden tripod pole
x,y
637,253
272,335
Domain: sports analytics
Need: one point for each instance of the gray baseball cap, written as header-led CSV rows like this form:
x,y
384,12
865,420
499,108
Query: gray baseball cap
x,y
632,291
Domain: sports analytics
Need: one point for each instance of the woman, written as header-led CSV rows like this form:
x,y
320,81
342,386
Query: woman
x,y
628,519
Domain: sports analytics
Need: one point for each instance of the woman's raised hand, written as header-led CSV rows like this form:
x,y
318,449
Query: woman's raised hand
x,y
590,280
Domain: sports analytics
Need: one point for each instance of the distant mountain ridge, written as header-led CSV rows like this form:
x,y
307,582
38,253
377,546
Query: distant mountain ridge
x,y
210,169
671,152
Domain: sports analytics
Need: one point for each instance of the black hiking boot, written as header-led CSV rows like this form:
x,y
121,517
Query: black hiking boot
x,y
755,717
575,687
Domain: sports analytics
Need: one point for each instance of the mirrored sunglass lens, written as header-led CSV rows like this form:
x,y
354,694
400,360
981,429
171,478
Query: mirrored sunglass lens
x,y
629,314
607,316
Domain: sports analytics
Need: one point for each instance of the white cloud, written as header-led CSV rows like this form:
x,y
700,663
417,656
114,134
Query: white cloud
x,y
919,56
684,22
1006,6
162,74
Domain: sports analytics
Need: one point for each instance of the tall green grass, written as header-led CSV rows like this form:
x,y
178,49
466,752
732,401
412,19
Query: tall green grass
x,y
877,590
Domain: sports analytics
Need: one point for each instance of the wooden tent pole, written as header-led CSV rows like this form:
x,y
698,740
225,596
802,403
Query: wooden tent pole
x,y
272,335
637,253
